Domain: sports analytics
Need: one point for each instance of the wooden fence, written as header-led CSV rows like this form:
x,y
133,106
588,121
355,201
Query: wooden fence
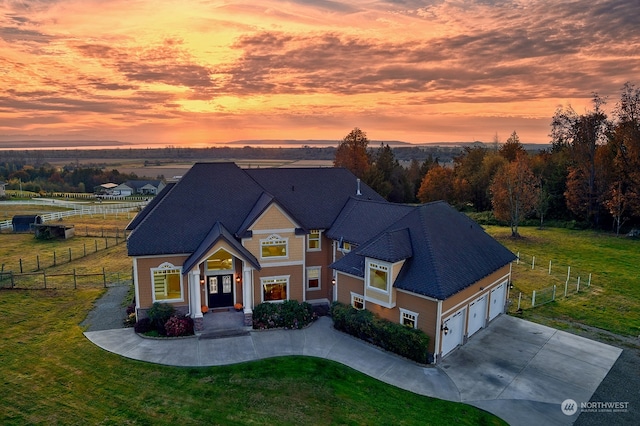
x,y
43,280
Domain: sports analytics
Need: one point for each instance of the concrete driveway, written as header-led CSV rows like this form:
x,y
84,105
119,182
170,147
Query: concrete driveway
x,y
516,369
522,371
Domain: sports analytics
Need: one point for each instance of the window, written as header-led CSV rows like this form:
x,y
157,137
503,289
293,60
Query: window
x,y
273,247
357,301
408,318
378,276
167,283
220,261
274,288
313,240
313,278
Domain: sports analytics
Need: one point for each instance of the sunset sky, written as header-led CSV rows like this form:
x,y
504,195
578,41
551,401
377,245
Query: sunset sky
x,y
206,72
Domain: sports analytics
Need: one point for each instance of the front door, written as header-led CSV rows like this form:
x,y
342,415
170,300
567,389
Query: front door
x,y
220,291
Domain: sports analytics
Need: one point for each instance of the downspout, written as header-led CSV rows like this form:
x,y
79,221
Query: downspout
x,y
436,348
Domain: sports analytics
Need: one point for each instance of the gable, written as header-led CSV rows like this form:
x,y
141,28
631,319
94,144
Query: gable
x,y
273,218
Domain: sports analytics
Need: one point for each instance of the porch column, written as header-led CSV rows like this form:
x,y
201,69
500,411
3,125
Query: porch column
x,y
247,295
195,301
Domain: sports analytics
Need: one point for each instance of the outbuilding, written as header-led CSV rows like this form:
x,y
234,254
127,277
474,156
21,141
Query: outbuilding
x,y
25,223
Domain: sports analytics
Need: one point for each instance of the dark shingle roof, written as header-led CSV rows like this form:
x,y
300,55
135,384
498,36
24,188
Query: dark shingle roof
x,y
217,233
222,192
149,207
207,193
360,220
391,246
314,196
449,252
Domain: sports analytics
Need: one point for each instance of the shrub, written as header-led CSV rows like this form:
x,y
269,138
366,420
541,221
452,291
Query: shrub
x,y
130,320
289,314
143,326
408,342
179,326
159,314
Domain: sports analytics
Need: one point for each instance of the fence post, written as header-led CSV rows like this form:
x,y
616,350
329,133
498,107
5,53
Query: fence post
x,y
578,286
566,287
20,265
104,278
38,262
519,299
553,296
75,283
69,254
96,243
44,277
533,262
106,243
568,273
549,267
518,258
589,283
54,258
533,299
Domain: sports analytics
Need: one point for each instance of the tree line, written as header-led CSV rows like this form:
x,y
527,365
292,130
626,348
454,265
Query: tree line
x,y
47,179
591,173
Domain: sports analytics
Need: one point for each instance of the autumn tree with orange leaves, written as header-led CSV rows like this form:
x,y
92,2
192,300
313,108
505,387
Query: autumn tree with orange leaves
x,y
515,192
352,153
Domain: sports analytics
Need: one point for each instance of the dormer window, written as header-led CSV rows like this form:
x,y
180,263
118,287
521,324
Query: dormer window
x,y
378,276
314,240
274,247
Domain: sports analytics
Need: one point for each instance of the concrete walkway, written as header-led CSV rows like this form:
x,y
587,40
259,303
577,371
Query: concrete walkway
x,y
516,369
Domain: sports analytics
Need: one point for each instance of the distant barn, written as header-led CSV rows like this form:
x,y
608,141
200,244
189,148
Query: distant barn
x,y
25,223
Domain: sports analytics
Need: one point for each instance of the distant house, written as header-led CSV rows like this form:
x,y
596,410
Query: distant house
x,y
223,235
2,189
131,187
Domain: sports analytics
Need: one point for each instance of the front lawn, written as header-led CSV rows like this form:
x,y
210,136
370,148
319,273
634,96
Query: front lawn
x,y
51,374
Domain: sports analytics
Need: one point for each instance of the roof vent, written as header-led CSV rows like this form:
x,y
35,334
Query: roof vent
x,y
358,192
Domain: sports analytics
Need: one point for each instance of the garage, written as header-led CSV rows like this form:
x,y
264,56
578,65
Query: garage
x,y
477,315
498,297
453,332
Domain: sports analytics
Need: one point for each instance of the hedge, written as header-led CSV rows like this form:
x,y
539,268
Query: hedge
x,y
288,314
397,338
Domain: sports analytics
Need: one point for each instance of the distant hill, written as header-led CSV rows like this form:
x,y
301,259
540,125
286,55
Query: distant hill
x,y
35,144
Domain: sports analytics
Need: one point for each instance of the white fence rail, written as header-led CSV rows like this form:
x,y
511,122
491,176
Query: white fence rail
x,y
79,209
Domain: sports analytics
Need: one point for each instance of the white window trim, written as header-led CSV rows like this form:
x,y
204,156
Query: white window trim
x,y
165,267
407,312
355,296
381,266
274,239
319,268
319,248
280,278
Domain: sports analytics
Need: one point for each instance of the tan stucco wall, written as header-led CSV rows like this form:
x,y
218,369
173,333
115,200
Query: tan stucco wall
x,y
145,290
457,301
296,284
427,310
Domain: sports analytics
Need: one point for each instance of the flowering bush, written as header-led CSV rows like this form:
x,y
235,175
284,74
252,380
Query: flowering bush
x,y
289,314
179,326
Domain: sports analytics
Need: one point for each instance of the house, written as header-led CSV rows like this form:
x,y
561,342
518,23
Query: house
x,y
224,235
131,187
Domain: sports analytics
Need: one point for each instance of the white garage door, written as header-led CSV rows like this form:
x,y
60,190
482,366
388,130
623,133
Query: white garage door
x,y
498,295
455,333
477,315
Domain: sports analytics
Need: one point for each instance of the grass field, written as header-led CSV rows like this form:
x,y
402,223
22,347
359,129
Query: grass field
x,y
613,301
